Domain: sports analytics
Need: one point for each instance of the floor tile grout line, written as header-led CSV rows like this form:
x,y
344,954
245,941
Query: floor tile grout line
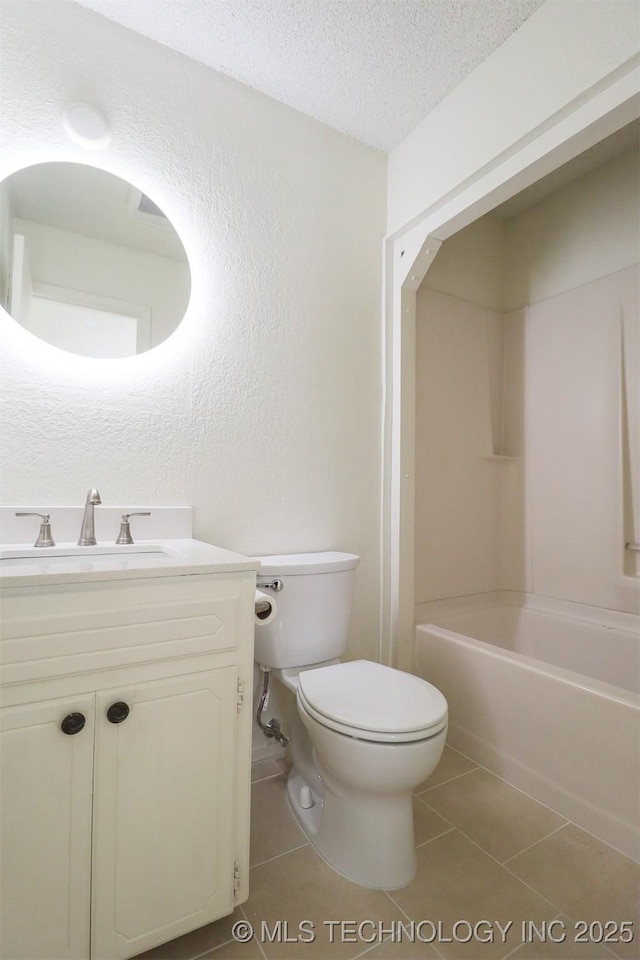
x,y
514,787
567,822
480,766
431,839
559,911
510,872
223,943
458,776
277,772
612,953
460,753
522,942
405,914
373,946
572,823
278,856
536,842
502,863
563,913
419,846
257,939
525,884
272,776
433,810
210,951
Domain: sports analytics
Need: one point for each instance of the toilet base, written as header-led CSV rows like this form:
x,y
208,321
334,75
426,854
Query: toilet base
x,y
308,818
367,840
353,799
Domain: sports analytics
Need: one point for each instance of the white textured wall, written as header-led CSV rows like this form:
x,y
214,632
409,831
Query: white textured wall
x,y
565,48
263,410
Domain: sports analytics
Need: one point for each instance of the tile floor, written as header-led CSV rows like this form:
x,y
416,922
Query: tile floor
x,y
488,855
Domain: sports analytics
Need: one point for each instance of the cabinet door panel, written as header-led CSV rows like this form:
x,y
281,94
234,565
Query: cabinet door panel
x,y
163,816
45,806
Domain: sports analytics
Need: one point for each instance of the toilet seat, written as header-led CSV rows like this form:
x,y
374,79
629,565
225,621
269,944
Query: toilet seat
x,y
372,702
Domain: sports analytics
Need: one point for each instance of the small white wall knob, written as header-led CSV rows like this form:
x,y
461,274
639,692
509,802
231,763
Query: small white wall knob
x,y
86,125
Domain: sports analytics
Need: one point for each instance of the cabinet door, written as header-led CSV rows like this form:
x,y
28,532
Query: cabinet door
x,y
163,811
45,811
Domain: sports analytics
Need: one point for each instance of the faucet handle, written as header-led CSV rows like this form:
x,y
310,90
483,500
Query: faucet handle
x,y
44,537
125,530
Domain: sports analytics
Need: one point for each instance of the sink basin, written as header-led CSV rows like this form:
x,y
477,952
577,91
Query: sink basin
x,y
71,550
22,565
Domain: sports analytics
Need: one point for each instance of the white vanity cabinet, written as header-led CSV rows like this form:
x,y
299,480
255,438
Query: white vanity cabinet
x,y
125,739
45,816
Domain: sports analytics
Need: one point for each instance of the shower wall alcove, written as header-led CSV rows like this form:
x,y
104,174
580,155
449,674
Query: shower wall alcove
x,y
481,530
527,459
519,432
511,449
527,489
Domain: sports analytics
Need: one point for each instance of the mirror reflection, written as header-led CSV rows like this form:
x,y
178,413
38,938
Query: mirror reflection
x,y
88,262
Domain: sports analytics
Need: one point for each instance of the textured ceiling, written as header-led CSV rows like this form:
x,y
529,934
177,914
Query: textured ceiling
x,y
369,68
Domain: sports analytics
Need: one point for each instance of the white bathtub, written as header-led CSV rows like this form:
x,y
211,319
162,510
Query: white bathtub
x,y
549,703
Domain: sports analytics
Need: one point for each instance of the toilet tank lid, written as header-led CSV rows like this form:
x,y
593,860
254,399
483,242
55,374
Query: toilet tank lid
x,y
292,564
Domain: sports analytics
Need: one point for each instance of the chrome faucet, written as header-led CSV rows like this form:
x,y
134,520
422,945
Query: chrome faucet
x,y
87,531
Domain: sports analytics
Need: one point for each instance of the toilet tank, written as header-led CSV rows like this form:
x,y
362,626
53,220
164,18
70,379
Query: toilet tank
x,y
313,608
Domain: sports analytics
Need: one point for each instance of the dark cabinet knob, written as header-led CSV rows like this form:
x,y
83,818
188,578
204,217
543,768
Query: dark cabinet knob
x,y
73,723
117,712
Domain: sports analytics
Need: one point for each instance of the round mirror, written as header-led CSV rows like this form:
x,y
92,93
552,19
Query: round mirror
x,y
88,262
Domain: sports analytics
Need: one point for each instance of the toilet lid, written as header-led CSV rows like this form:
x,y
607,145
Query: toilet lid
x,y
378,702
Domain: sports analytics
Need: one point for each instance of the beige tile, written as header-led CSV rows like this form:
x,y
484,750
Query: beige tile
x,y
273,828
496,816
587,879
403,948
284,763
452,764
456,881
264,769
194,944
300,886
558,942
427,824
235,951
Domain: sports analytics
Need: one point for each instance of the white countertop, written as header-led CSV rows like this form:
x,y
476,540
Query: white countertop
x,y
146,558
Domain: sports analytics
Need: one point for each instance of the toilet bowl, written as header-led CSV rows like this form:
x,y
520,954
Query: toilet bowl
x,y
362,735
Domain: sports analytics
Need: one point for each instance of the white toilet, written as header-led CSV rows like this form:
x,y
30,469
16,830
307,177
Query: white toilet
x,y
363,736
